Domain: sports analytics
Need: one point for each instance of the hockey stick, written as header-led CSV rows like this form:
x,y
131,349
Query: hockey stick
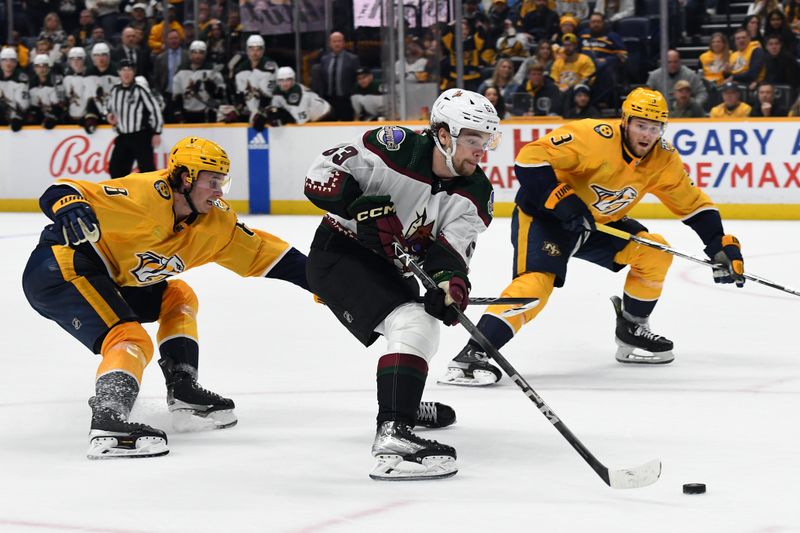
x,y
664,248
521,304
625,478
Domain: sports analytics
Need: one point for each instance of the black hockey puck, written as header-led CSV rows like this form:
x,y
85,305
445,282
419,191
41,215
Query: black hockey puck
x,y
694,488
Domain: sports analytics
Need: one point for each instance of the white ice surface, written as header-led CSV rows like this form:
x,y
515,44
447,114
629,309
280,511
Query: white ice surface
x,y
725,413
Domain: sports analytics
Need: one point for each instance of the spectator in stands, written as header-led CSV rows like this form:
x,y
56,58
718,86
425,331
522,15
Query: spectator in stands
x,y
502,79
156,38
792,11
108,12
217,45
608,53
45,46
52,30
497,100
778,26
676,71
165,66
129,49
794,111
759,7
499,12
540,23
415,69
473,12
197,89
581,104
68,14
539,96
753,26
566,24
189,31
780,67
544,56
574,67
367,97
63,52
615,10
203,18
577,8
732,105
715,60
234,32
766,106
338,76
477,54
98,36
86,24
138,18
22,52
683,105
747,62
512,43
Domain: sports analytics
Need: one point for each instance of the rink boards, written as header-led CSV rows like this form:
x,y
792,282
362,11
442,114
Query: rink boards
x,y
750,168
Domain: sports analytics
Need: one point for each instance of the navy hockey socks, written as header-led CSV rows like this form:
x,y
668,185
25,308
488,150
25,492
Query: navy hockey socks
x,y
638,308
494,329
401,380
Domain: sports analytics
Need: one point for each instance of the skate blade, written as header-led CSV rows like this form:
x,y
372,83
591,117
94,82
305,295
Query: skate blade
x,y
394,468
631,355
481,378
190,420
108,448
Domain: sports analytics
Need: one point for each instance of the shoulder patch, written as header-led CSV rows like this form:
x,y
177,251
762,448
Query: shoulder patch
x,y
666,145
391,137
604,130
163,189
221,205
294,98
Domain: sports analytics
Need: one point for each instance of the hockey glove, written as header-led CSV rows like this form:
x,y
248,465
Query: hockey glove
x,y
75,220
727,254
377,225
452,288
570,210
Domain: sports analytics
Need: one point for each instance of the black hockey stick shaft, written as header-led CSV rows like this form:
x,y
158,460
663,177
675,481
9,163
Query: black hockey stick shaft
x,y
664,248
498,300
545,409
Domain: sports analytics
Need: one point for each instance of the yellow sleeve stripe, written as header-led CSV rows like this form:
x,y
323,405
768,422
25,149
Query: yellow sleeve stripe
x,y
558,194
525,222
65,258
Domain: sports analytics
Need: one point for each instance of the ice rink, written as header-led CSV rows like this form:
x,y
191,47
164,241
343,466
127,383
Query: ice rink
x,y
725,413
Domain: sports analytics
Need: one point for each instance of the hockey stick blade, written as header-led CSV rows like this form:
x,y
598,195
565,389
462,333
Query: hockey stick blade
x,y
627,478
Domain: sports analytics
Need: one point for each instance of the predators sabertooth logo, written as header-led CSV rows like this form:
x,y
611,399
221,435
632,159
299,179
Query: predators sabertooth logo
x,y
153,268
609,201
551,249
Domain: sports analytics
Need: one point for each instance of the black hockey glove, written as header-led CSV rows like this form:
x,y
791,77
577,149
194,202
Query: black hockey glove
x,y
15,124
452,288
570,210
727,253
75,220
377,225
210,87
90,122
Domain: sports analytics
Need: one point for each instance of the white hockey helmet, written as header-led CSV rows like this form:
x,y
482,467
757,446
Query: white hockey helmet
x,y
198,46
101,49
285,73
255,41
460,109
8,53
76,52
42,59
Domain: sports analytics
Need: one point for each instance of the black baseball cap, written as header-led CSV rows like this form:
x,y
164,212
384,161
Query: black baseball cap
x,y
125,63
363,70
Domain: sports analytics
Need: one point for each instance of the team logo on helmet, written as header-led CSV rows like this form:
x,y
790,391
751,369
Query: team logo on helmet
x,y
609,201
391,137
153,267
163,189
604,130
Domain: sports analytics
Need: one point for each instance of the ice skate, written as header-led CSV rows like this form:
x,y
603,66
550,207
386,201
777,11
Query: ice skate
x,y
636,343
403,456
111,436
471,368
194,408
435,415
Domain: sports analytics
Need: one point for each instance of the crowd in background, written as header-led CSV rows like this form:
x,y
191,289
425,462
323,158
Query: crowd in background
x,y
569,58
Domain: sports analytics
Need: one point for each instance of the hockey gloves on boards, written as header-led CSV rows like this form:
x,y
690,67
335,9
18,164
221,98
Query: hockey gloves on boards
x,y
727,254
377,225
75,220
570,210
452,288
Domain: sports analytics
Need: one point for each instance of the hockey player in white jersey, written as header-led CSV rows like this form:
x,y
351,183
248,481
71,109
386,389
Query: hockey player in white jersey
x,y
75,85
427,192
47,94
100,77
14,98
294,103
255,79
197,89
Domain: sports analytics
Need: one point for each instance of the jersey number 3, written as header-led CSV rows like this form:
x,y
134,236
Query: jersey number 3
x,y
564,139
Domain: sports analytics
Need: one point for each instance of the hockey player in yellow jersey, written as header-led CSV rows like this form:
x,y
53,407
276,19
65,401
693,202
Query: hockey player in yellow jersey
x,y
108,263
592,171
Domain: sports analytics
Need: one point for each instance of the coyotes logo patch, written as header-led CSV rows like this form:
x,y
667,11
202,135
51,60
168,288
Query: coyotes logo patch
x,y
609,201
153,267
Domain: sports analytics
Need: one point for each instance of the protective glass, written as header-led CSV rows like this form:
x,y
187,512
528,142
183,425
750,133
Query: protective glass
x,y
473,142
221,184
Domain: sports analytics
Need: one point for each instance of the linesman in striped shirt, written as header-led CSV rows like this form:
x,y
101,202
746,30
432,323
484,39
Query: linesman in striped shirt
x,y
136,116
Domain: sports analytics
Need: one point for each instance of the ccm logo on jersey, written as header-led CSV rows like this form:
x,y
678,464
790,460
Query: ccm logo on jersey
x,y
612,201
153,267
375,212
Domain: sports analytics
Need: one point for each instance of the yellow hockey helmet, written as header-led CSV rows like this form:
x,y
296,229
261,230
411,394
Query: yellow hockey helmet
x,y
196,154
645,103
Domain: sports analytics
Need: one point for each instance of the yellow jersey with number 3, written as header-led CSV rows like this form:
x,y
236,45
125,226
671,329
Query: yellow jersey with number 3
x,y
591,157
141,243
